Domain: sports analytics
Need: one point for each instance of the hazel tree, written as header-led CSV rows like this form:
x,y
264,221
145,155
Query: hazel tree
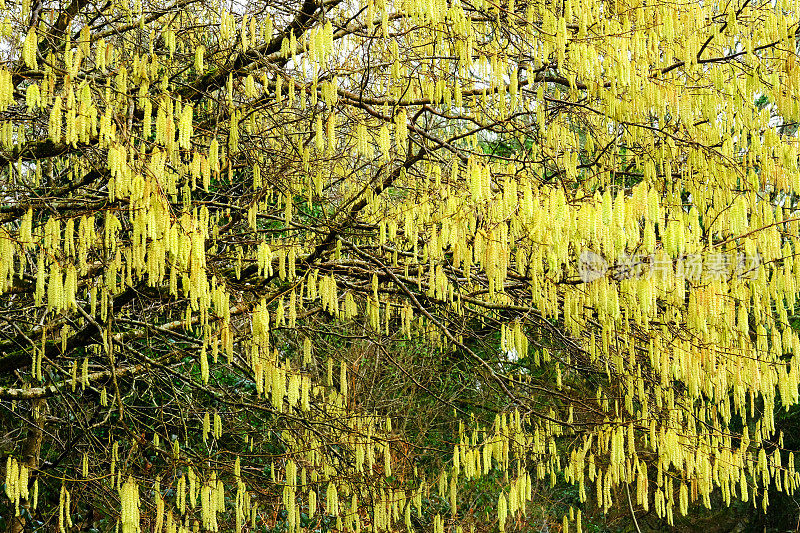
x,y
591,205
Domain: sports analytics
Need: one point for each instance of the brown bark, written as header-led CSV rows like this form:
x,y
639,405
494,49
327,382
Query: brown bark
x,y
30,456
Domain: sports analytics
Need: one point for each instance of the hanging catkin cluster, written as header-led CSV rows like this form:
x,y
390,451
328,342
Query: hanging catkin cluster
x,y
595,184
16,483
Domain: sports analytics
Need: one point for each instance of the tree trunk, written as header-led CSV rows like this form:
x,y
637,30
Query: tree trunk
x,y
30,455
